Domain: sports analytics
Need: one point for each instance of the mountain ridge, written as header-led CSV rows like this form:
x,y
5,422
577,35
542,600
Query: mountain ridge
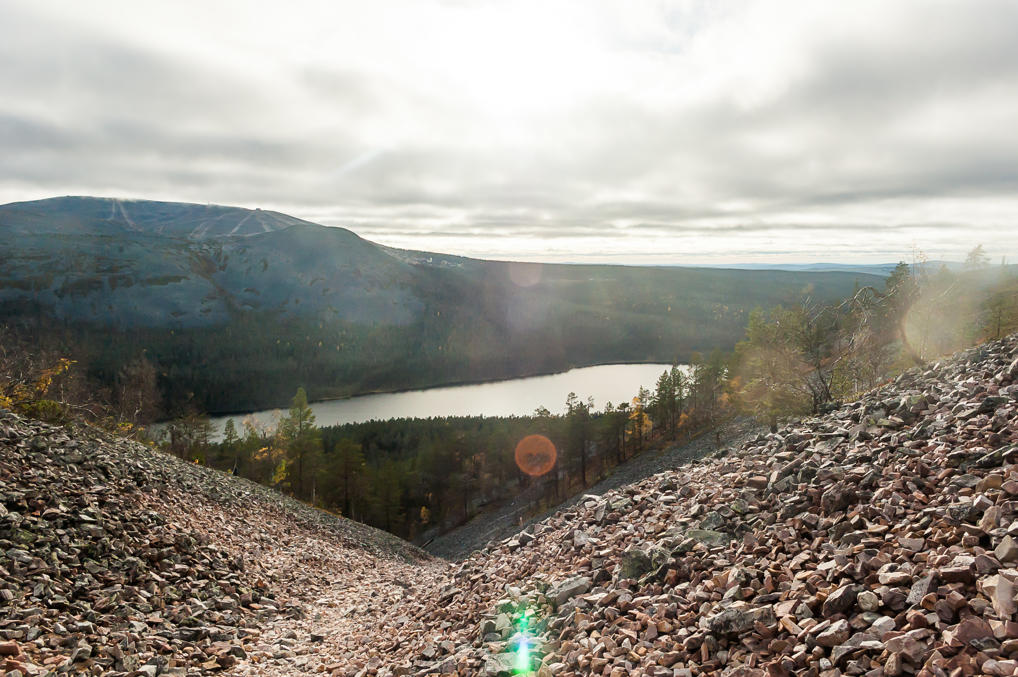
x,y
236,323
157,217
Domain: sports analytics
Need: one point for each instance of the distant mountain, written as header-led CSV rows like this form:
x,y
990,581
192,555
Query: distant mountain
x,y
160,264
237,307
111,216
882,269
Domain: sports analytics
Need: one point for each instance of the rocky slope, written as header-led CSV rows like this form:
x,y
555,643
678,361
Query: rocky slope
x,y
877,540
115,559
516,515
880,539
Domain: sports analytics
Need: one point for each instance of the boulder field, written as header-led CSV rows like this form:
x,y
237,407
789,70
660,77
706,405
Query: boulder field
x,y
116,559
878,539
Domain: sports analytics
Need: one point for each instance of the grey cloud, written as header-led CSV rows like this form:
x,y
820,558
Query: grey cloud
x,y
847,133
21,134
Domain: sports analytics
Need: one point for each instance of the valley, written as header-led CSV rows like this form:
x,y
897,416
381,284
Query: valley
x,y
234,309
432,338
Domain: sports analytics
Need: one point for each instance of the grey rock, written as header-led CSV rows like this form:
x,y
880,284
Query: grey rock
x,y
708,537
739,620
569,588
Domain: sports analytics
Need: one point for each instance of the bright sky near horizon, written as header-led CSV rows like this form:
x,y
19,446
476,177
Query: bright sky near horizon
x,y
592,130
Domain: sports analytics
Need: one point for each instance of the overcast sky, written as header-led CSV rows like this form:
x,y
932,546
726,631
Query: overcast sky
x,y
629,131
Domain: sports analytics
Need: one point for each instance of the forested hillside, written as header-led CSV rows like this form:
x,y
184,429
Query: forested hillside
x,y
217,309
419,478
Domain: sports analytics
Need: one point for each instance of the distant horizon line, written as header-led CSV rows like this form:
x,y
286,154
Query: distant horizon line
x,y
630,258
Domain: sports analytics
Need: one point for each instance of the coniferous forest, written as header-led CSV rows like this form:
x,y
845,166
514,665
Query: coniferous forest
x,y
418,478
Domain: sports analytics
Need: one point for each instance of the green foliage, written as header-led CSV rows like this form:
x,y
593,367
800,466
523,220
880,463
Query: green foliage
x,y
578,434
797,360
999,312
667,400
768,366
419,477
344,478
301,441
45,410
787,361
188,435
24,385
230,437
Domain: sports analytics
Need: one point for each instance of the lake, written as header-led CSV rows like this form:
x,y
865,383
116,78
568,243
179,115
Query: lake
x,y
605,383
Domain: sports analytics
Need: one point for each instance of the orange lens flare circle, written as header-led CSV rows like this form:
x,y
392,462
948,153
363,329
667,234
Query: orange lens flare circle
x,y
535,455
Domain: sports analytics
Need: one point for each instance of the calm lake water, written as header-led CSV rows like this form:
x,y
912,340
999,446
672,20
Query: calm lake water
x,y
607,383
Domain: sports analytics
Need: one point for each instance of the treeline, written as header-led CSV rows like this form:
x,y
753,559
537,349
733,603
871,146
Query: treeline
x,y
799,359
420,477
250,339
417,478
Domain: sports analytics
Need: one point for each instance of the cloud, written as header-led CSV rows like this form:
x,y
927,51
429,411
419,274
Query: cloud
x,y
689,129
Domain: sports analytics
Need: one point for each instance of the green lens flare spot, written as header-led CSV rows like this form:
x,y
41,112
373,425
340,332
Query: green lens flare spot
x,y
522,658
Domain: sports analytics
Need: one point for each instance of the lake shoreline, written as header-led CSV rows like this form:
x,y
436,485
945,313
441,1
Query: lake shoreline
x,y
617,383
439,386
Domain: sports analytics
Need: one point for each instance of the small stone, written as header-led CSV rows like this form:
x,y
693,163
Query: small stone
x,y
1007,550
1000,592
709,537
972,630
920,589
894,578
837,498
868,601
569,588
499,665
635,563
836,634
960,574
883,624
912,544
840,601
737,621
893,667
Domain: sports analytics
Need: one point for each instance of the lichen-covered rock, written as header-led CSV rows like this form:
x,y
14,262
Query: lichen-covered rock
x,y
569,588
738,621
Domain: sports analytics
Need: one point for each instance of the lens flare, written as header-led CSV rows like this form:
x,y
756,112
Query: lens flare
x,y
523,657
535,455
524,647
525,274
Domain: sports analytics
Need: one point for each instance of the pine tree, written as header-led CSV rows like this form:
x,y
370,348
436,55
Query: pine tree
x,y
347,473
231,444
578,418
977,258
301,439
